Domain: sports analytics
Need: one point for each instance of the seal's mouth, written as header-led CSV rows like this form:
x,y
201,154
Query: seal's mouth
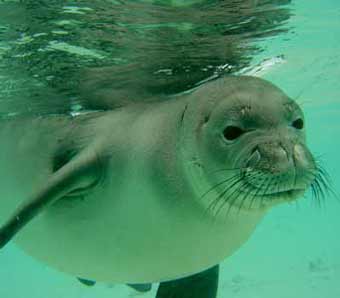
x,y
236,189
287,195
273,197
290,192
241,195
283,186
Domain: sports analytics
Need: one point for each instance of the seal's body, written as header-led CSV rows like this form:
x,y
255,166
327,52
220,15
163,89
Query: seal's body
x,y
144,227
157,191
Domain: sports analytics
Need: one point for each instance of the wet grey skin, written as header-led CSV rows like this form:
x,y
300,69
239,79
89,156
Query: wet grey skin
x,y
157,192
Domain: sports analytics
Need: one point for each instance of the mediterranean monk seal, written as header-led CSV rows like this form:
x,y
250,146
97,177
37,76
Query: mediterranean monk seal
x,y
154,192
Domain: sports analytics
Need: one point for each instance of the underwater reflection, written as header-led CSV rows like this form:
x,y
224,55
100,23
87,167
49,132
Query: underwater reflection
x,y
65,55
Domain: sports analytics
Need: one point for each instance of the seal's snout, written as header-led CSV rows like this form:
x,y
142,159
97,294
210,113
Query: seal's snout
x,y
270,157
271,169
278,169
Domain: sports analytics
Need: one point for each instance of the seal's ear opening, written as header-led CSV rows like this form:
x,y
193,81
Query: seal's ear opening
x,y
80,172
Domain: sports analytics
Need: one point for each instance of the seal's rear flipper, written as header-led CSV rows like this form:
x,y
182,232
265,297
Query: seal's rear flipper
x,y
87,282
200,285
141,287
80,173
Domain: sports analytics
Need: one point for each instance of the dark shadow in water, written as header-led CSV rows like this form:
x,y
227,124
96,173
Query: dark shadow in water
x,y
139,49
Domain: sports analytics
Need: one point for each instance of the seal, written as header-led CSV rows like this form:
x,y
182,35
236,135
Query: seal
x,y
153,192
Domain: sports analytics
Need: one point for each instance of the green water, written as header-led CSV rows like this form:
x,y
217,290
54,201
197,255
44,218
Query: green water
x,y
168,48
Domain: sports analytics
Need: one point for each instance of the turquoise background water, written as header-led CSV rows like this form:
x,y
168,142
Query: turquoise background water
x,y
295,251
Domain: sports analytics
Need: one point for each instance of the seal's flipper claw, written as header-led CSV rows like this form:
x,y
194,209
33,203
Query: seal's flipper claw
x,y
87,282
200,285
82,172
141,287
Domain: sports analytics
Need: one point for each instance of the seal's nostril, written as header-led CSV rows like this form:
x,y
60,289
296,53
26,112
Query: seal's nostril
x,y
285,150
254,158
254,149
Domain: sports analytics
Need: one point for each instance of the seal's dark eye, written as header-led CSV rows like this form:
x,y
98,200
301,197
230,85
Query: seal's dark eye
x,y
232,132
298,123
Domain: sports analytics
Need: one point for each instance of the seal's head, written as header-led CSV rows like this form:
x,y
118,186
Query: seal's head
x,y
246,146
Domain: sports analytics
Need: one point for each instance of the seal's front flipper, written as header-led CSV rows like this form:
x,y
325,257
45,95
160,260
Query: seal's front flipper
x,y
141,287
87,282
78,174
201,285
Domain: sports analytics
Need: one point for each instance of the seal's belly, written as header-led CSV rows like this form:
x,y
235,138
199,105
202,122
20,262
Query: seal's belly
x,y
131,236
